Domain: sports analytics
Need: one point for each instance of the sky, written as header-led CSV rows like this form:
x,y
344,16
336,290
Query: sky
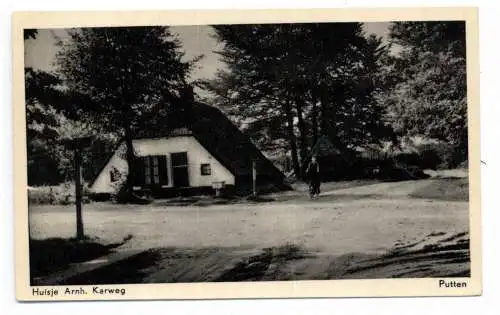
x,y
196,40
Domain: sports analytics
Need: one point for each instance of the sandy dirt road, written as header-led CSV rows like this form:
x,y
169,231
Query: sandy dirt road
x,y
367,220
336,223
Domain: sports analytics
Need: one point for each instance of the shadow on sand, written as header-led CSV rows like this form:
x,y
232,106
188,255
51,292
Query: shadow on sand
x,y
437,255
54,254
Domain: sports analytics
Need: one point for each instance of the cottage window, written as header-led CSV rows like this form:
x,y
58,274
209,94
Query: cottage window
x,y
153,169
156,172
147,170
205,169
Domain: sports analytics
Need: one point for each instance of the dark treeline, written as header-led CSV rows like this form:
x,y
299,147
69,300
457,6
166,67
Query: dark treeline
x,y
285,85
295,82
289,84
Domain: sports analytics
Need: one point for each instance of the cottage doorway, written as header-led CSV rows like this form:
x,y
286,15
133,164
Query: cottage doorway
x,y
180,169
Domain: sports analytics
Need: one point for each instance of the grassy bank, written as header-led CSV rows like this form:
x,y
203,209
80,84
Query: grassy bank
x,y
451,189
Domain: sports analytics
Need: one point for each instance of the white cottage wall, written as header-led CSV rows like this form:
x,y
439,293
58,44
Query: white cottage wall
x,y
103,184
196,153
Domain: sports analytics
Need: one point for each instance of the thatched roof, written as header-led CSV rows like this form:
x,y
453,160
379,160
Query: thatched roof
x,y
227,143
218,135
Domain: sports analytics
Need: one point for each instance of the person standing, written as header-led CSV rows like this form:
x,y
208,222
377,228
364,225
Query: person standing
x,y
313,175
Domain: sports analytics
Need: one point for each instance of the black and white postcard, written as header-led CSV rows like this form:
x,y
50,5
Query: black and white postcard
x,y
246,154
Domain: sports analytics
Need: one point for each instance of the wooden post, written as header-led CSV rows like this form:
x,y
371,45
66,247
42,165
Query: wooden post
x,y
78,192
254,178
77,144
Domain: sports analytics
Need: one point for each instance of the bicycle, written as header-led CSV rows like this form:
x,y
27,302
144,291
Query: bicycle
x,y
313,190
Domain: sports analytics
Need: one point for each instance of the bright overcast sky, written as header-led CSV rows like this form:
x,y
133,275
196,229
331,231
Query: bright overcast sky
x,y
196,40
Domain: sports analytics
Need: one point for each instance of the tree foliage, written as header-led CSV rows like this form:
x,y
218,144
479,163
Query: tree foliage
x,y
288,83
43,98
47,124
429,96
30,34
121,74
123,71
42,120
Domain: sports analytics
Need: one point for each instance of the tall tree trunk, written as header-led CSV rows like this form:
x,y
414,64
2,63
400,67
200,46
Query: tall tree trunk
x,y
130,159
324,112
130,156
127,194
292,140
314,101
329,114
299,103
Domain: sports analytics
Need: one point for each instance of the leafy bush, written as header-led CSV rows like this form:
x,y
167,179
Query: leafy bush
x,y
61,194
430,158
411,158
438,156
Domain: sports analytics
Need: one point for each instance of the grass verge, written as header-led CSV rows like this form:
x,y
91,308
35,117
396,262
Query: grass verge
x,y
449,189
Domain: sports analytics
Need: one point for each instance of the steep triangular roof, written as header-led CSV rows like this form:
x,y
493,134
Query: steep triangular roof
x,y
219,136
227,143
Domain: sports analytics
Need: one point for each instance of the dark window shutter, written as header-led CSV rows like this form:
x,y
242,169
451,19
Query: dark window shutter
x,y
139,171
163,170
